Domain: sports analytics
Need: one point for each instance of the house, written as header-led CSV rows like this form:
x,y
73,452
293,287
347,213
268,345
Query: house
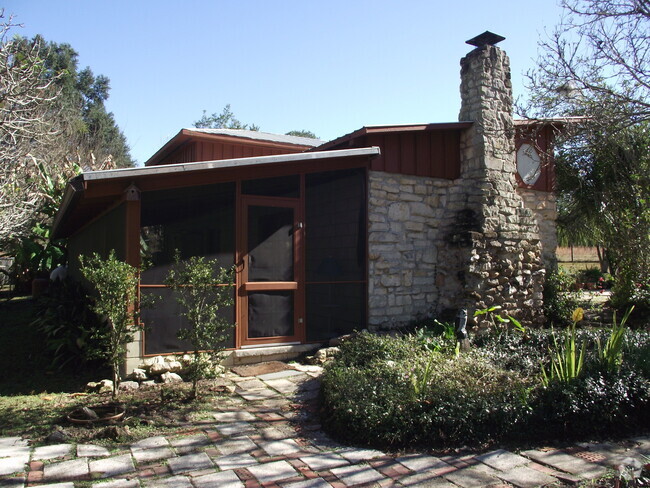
x,y
373,229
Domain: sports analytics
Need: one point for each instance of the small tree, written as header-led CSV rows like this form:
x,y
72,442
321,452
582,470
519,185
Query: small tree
x,y
202,289
116,286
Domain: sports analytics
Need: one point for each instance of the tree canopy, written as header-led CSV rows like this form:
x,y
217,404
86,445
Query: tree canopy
x,y
595,65
227,120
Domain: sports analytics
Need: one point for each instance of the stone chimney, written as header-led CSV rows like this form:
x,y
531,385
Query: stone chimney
x,y
493,240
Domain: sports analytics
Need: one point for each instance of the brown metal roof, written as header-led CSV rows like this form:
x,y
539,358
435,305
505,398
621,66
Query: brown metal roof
x,y
250,138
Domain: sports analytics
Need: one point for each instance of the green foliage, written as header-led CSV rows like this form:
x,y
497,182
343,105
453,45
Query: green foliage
x,y
203,289
559,299
302,133
436,336
71,329
497,323
115,285
225,120
611,354
428,399
88,126
389,392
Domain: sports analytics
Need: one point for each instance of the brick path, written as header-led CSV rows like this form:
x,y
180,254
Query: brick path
x,y
252,441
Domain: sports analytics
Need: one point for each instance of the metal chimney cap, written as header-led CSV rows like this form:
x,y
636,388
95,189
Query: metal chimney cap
x,y
486,39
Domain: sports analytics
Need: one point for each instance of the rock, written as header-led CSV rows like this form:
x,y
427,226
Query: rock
x,y
174,366
129,385
147,384
106,386
114,432
322,355
138,374
88,413
103,386
58,436
170,378
158,368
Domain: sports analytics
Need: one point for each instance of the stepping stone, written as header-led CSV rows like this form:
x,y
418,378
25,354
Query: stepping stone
x,y
66,470
144,456
323,461
429,480
421,462
13,442
13,465
112,466
312,483
280,375
190,462
273,434
472,477
261,394
235,428
525,477
150,443
237,416
91,450
14,451
249,385
235,461
502,460
565,462
173,482
236,445
283,386
357,474
225,479
190,443
18,482
58,485
281,447
274,471
51,452
124,483
358,455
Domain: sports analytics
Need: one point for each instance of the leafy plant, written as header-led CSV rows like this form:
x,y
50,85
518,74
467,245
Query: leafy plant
x,y
71,329
437,337
611,354
202,290
559,298
499,323
566,362
116,285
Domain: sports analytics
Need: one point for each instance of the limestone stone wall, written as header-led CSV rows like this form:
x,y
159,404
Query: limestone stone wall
x,y
544,207
405,215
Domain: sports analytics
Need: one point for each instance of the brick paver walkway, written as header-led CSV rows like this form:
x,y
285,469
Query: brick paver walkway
x,y
253,440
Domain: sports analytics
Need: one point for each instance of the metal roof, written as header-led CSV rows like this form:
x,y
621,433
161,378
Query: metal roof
x,y
76,186
261,136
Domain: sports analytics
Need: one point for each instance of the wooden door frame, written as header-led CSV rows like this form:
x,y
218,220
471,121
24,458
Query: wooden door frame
x,y
298,286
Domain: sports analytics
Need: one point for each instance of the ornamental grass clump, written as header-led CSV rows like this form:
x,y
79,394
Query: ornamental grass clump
x,y
566,361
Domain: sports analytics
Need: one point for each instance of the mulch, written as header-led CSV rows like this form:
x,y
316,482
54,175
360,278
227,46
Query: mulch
x,y
260,368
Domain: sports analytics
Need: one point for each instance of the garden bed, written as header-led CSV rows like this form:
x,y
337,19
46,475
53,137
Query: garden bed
x,y
400,392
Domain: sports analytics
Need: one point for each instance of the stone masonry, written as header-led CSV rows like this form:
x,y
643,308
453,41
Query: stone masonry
x,y
405,215
437,246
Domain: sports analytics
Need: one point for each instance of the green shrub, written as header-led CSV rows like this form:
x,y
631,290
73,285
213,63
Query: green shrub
x,y
596,404
559,299
392,394
367,347
72,330
389,392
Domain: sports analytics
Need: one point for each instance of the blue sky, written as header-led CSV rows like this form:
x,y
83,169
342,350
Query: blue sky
x,y
330,66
